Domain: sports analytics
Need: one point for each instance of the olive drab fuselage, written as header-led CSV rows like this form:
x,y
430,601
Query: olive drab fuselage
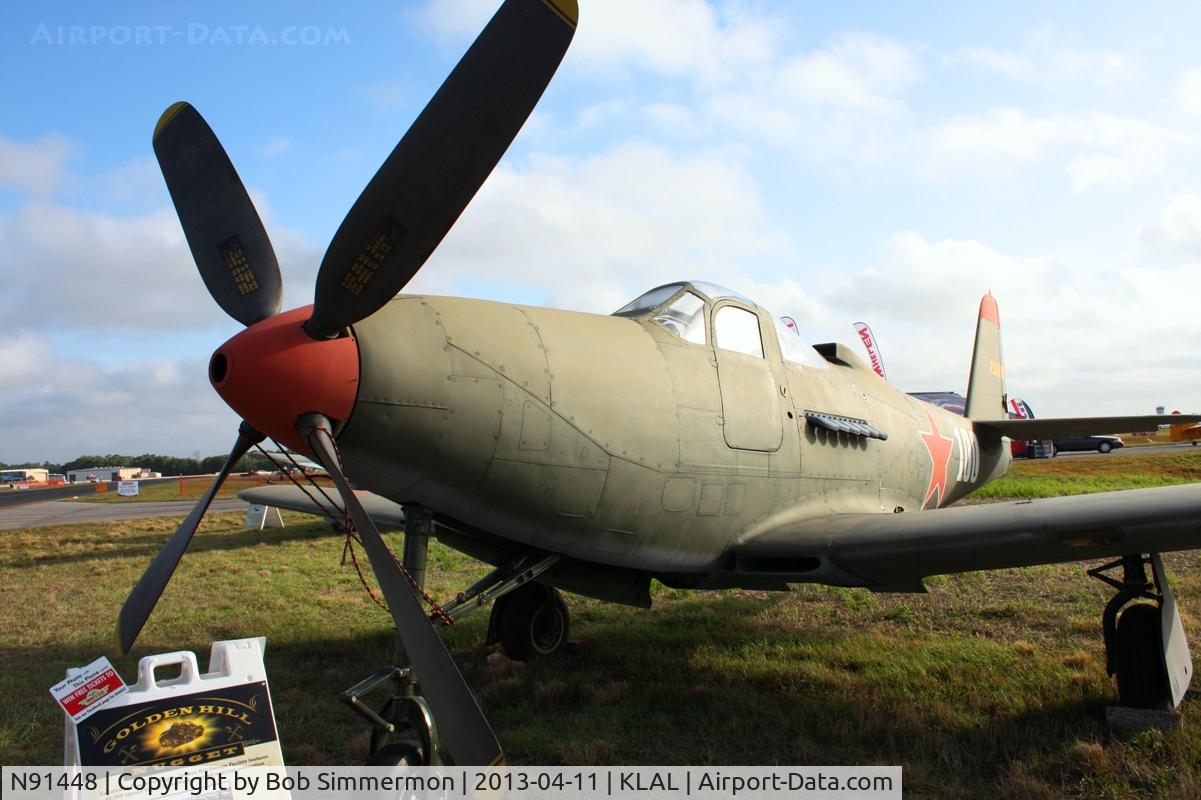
x,y
612,440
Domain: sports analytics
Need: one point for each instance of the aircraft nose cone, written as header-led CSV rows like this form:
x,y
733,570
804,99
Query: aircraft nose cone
x,y
273,372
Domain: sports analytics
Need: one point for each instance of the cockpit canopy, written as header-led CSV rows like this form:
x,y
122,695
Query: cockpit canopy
x,y
683,308
655,297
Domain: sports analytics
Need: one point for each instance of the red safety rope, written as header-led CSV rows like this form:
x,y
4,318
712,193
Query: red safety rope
x,y
347,525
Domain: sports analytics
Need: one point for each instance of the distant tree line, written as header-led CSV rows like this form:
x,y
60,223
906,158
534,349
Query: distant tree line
x,y
167,465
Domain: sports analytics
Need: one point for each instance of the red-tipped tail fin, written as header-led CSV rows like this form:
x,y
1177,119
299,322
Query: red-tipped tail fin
x,y
986,382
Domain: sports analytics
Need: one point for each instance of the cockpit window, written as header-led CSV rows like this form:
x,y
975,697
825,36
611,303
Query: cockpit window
x,y
716,292
793,349
737,329
647,301
685,317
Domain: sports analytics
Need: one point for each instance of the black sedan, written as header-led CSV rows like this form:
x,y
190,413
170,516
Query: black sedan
x,y
1102,444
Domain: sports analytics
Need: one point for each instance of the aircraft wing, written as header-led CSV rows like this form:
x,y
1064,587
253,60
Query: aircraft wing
x,y
382,511
292,460
1077,426
894,552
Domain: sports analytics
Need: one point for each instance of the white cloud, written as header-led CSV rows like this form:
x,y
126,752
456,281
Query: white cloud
x,y
82,269
858,71
1188,91
592,232
37,168
136,185
1046,62
1095,149
21,358
1071,348
55,407
1178,226
670,37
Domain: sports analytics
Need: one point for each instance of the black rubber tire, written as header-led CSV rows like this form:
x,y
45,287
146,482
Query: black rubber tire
x,y
1142,674
1104,447
534,622
397,754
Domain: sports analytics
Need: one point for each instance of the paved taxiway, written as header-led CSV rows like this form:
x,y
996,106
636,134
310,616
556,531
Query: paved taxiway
x,y
67,512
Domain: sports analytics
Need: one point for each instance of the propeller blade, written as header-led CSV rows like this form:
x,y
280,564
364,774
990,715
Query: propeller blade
x,y
441,162
459,719
146,592
227,238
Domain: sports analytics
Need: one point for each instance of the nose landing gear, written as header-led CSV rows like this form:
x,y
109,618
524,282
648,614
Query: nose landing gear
x,y
528,618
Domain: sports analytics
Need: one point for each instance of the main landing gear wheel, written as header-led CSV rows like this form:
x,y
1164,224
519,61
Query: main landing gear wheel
x,y
1145,648
1141,672
531,621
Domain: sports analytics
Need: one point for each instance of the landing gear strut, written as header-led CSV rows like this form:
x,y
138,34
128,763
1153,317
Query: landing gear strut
x,y
403,732
1144,646
528,619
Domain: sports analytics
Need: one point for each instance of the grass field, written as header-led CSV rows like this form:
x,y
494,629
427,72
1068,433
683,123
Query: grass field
x,y
1053,477
992,685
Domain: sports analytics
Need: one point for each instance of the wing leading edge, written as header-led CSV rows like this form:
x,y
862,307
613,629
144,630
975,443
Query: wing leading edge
x,y
894,552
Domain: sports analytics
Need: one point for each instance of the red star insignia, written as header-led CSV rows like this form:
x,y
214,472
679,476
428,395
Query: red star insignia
x,y
939,447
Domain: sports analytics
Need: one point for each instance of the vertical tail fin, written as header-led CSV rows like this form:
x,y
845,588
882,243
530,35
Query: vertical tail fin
x,y
986,382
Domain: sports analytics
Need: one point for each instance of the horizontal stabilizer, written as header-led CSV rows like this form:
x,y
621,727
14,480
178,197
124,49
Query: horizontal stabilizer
x,y
1077,426
383,512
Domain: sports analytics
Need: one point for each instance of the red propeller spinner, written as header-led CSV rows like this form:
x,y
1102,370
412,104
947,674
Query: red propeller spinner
x,y
273,372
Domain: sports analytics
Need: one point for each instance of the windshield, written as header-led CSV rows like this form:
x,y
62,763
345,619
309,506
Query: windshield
x,y
650,300
685,317
647,301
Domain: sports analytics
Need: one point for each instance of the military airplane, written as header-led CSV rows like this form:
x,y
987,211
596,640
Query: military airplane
x,y
684,438
1184,432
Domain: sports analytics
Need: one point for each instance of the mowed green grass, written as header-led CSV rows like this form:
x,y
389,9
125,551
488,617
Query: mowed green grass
x,y
992,685
1053,477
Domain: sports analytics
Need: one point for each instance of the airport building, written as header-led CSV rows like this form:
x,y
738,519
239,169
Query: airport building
x,y
25,476
107,474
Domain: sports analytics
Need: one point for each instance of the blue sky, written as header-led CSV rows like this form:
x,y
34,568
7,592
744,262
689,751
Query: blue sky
x,y
838,162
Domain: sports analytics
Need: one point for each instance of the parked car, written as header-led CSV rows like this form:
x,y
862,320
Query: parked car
x,y
1102,444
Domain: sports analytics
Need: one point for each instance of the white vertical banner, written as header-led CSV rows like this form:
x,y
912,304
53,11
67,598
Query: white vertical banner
x,y
869,344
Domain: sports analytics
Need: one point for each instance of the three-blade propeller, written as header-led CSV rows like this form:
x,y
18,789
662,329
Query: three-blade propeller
x,y
391,230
